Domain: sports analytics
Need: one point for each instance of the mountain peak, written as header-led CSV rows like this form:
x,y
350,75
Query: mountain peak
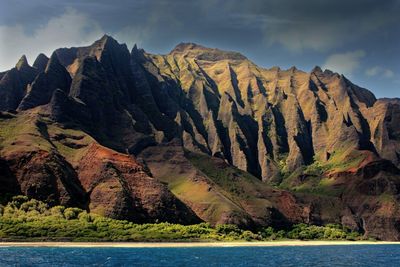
x,y
136,52
22,63
107,38
204,53
41,62
316,69
107,41
53,62
181,47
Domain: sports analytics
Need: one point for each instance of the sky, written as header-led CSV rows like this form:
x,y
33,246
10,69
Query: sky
x,y
358,38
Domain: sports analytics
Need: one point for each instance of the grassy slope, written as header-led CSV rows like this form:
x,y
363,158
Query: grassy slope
x,y
317,178
237,185
22,133
211,187
32,132
191,186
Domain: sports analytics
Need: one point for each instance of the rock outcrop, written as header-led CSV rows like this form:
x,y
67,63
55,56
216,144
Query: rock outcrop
x,y
41,62
40,91
13,84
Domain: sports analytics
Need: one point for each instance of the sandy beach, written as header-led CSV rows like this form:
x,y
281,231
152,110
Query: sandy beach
x,y
191,244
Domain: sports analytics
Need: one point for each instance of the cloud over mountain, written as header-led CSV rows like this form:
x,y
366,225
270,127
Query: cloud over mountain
x,y
71,28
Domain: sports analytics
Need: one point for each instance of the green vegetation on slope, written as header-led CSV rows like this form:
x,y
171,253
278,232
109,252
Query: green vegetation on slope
x,y
24,219
236,182
313,179
22,133
26,132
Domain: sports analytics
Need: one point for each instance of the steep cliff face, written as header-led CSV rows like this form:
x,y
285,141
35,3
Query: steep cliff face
x,y
13,84
385,129
39,92
199,134
264,120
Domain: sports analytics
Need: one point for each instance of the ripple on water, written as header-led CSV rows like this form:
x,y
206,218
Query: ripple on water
x,y
349,255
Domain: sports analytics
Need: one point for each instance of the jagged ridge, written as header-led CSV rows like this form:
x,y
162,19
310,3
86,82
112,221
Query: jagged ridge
x,y
302,131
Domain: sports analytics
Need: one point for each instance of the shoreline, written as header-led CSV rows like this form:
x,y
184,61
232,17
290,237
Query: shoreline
x,y
191,244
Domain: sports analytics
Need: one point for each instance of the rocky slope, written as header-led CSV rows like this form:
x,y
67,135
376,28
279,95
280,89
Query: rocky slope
x,y
199,134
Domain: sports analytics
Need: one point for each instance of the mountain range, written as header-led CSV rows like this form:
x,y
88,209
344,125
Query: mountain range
x,y
199,134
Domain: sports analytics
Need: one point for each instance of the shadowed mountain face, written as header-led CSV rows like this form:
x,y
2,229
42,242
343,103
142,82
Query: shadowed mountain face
x,y
199,134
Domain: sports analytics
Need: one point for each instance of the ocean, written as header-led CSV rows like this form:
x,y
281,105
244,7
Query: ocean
x,y
348,255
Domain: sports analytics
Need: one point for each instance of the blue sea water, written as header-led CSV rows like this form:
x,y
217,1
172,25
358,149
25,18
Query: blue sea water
x,y
350,255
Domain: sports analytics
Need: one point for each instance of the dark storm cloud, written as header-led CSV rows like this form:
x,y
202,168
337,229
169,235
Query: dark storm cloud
x,y
295,24
317,24
271,32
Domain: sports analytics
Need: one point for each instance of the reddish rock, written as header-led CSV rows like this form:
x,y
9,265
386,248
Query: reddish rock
x,y
120,188
48,177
